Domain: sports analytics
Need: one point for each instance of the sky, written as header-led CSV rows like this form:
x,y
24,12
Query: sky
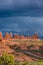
x,y
21,16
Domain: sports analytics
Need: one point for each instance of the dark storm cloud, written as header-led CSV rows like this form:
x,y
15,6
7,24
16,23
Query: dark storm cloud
x,y
21,8
21,3
22,24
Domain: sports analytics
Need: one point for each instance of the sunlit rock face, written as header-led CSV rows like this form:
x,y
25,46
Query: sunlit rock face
x,y
29,38
10,35
22,37
35,36
7,35
16,36
1,35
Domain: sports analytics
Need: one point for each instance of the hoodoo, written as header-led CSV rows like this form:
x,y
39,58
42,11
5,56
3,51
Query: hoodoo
x,y
6,35
35,36
10,35
16,36
1,37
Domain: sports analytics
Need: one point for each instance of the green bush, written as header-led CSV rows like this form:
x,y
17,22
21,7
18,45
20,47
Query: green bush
x,y
6,59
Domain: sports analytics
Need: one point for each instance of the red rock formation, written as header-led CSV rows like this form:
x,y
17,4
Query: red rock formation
x,y
35,47
6,36
16,36
10,35
22,37
1,35
35,36
29,38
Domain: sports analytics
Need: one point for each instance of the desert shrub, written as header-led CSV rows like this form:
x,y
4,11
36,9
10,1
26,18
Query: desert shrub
x,y
6,59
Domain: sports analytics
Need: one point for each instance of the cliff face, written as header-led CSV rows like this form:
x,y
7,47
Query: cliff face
x,y
35,36
1,35
10,35
6,36
16,36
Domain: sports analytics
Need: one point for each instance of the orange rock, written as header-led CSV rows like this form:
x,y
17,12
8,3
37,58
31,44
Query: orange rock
x,y
23,37
16,36
35,36
6,36
30,38
10,35
1,35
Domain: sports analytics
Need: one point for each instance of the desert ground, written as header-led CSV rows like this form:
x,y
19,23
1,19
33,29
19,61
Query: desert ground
x,y
23,48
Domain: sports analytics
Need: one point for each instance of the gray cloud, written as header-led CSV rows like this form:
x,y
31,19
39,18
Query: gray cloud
x,y
21,8
21,24
4,4
15,4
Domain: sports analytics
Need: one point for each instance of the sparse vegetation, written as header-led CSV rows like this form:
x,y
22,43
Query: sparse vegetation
x,y
6,59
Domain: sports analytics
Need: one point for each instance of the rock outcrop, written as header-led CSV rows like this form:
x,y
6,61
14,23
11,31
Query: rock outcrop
x,y
10,35
7,35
